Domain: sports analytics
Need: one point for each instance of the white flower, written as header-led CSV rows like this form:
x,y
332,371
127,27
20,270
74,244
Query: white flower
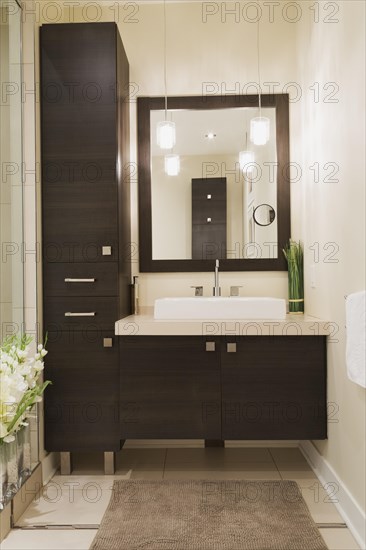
x,y
38,365
19,373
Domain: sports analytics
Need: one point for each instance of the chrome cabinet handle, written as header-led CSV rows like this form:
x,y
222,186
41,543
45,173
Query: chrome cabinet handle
x,y
106,251
82,314
107,342
231,348
210,346
68,280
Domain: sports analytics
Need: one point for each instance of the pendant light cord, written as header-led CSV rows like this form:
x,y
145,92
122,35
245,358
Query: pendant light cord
x,y
165,79
259,69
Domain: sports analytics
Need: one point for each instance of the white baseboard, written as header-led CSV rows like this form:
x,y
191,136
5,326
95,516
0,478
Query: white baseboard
x,y
50,465
349,509
233,443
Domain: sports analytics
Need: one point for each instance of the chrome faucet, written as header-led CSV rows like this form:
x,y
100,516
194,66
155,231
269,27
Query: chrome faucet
x,y
216,288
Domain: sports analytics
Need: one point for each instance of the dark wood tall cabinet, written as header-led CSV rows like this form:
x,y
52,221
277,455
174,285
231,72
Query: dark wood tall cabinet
x,y
86,230
209,218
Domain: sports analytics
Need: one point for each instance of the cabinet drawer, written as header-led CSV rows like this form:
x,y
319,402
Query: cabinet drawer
x,y
80,279
85,313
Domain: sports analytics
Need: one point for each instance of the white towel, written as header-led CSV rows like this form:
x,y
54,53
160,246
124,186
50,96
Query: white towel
x,y
356,337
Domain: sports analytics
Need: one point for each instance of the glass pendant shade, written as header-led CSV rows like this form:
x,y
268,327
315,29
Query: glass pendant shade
x,y
165,134
259,130
246,161
172,165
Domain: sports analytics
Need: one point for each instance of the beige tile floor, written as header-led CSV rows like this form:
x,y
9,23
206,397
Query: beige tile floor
x,y
73,506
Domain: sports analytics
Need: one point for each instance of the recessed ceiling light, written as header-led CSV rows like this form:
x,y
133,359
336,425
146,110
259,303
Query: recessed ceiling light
x,y
210,135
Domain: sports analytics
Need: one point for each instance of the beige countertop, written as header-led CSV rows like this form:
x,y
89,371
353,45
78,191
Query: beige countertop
x,y
144,324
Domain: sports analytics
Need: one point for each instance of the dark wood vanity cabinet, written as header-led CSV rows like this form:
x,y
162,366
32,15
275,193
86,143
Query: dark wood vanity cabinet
x,y
86,230
228,388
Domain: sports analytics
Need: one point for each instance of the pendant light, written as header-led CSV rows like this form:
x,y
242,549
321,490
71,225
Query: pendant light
x,y
165,130
259,126
246,158
172,165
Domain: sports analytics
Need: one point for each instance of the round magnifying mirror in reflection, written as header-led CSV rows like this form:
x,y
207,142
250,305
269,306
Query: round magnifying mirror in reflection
x,y
264,215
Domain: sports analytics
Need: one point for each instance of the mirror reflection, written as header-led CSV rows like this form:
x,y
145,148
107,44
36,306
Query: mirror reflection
x,y
264,215
208,199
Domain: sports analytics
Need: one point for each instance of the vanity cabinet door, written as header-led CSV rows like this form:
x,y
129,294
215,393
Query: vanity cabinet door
x,y
78,221
170,388
274,387
81,405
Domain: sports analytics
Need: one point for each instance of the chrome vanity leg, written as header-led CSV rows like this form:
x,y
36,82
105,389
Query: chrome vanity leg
x,y
109,463
65,463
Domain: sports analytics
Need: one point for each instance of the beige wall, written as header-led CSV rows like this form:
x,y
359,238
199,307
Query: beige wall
x,y
326,132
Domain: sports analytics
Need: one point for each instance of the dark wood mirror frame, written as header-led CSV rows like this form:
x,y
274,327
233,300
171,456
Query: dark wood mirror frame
x,y
147,104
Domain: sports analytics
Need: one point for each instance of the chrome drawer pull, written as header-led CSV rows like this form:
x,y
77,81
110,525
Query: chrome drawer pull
x,y
231,348
210,346
88,314
79,280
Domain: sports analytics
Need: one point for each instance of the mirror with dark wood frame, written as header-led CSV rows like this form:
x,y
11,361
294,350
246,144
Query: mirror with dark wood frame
x,y
180,230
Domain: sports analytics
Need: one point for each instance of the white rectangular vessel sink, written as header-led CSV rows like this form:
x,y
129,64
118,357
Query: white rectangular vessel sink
x,y
219,308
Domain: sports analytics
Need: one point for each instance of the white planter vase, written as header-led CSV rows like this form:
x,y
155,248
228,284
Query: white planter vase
x,y
12,466
15,464
24,453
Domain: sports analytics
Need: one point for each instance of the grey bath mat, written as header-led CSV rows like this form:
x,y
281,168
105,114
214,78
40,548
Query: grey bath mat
x,y
207,515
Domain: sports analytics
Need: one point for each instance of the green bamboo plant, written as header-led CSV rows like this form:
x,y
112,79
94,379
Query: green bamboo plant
x,y
295,260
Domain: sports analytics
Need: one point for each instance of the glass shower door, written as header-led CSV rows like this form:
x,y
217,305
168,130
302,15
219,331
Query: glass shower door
x,y
11,186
